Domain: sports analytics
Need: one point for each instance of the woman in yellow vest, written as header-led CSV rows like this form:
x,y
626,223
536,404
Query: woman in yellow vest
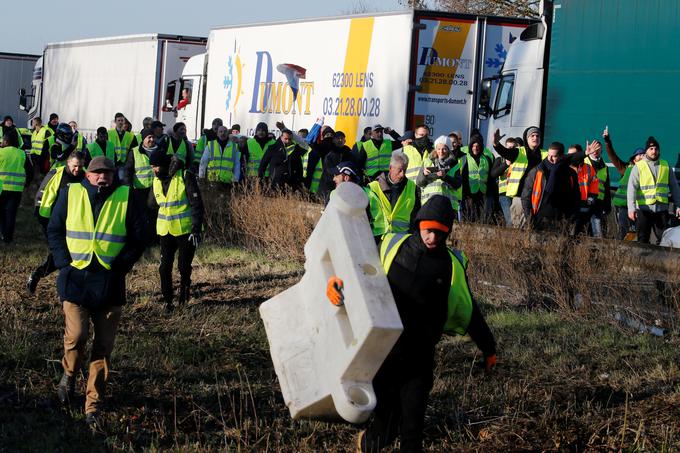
x,y
16,172
650,185
179,223
431,292
439,174
55,180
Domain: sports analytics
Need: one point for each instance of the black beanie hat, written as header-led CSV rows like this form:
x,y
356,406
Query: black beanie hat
x,y
262,126
159,158
437,208
651,141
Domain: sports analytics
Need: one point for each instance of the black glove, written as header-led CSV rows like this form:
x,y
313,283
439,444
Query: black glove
x,y
195,239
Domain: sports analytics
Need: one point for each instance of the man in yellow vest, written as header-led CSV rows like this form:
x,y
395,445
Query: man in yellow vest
x,y
16,172
431,292
650,185
475,167
101,146
96,234
221,162
179,222
254,148
373,156
500,170
394,200
207,136
415,157
50,187
523,159
39,136
80,141
620,198
122,139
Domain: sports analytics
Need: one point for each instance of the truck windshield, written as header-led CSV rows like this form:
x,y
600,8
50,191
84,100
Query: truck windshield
x,y
504,96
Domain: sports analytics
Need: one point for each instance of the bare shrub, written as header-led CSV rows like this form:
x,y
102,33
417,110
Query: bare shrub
x,y
277,224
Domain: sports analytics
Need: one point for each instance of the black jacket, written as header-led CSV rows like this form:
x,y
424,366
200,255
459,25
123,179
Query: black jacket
x,y
420,280
317,153
95,287
285,170
193,195
561,204
332,159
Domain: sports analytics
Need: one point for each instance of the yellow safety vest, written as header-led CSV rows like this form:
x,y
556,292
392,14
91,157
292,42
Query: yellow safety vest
x,y
519,167
651,191
174,213
50,193
386,219
121,147
181,150
377,160
143,172
12,172
106,238
256,153
222,163
316,176
477,174
440,187
96,150
621,194
459,303
38,140
415,162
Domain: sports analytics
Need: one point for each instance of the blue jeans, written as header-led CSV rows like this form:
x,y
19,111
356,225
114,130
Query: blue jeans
x,y
505,203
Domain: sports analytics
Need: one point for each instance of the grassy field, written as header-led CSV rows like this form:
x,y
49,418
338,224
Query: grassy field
x,y
201,379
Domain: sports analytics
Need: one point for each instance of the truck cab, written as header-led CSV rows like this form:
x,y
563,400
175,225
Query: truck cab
x,y
30,103
516,102
184,97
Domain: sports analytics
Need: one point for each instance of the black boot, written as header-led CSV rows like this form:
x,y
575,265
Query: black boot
x,y
184,294
32,282
66,388
169,307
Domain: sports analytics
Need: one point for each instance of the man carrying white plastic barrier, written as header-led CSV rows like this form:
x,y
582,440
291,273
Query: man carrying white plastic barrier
x,y
430,289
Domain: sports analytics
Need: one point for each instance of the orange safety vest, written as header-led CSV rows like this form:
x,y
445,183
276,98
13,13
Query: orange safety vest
x,y
588,183
537,191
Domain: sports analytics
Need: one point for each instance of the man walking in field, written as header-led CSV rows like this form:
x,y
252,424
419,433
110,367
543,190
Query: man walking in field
x,y
96,234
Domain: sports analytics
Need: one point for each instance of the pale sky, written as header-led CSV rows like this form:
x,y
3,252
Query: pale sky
x,y
28,30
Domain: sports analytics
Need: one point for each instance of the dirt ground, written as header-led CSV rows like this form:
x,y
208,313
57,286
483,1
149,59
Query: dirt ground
x,y
201,379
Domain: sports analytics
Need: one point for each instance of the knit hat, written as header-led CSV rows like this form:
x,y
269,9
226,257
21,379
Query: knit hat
x,y
261,127
651,141
437,209
443,139
476,139
159,158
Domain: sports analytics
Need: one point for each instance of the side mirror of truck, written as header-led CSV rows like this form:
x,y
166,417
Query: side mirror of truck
x,y
483,111
22,100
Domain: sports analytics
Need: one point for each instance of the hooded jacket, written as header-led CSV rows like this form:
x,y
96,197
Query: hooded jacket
x,y
420,280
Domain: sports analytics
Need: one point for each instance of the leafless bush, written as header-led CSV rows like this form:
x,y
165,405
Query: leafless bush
x,y
275,223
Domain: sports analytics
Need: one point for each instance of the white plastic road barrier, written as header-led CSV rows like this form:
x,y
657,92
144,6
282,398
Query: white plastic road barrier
x,y
326,356
671,238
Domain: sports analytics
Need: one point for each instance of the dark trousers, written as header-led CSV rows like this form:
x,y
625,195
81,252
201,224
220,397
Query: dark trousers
x,y
474,208
646,221
402,392
9,204
169,246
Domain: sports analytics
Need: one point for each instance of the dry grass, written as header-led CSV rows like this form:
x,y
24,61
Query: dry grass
x,y
202,380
